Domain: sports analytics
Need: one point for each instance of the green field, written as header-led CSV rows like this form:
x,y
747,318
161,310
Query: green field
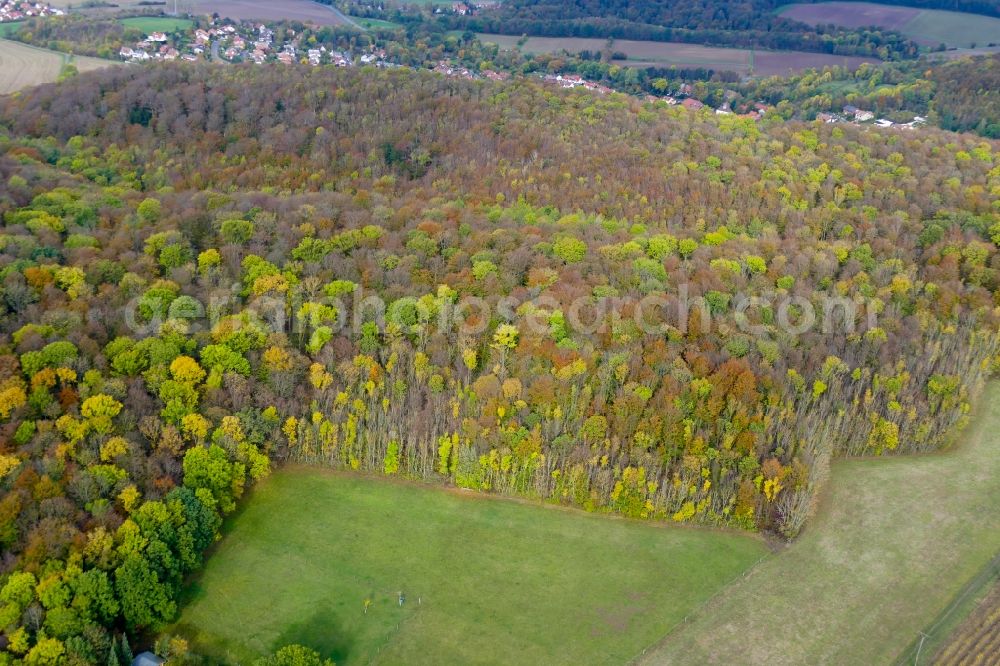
x,y
894,542
374,24
157,23
485,579
7,29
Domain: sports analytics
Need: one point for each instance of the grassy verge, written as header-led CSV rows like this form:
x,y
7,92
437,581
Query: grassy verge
x,y
376,24
150,24
894,543
484,579
8,29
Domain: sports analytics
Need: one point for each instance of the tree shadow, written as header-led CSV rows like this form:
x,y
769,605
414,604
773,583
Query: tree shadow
x,y
320,632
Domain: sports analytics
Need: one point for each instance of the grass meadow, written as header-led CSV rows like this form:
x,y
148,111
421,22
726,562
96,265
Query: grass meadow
x,y
930,27
894,542
485,579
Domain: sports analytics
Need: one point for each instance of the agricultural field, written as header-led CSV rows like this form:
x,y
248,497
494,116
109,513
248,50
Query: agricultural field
x,y
375,24
480,575
22,66
893,543
666,54
930,27
150,24
291,10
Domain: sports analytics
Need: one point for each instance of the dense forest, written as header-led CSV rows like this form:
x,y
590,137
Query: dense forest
x,y
619,305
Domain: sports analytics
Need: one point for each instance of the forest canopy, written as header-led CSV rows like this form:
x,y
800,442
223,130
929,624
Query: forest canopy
x,y
194,259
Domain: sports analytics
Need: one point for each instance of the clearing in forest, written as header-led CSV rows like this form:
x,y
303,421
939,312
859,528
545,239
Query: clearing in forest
x,y
483,578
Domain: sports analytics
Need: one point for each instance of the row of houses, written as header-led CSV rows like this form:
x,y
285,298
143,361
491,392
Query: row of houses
x,y
468,8
689,103
235,44
146,50
852,113
576,81
17,10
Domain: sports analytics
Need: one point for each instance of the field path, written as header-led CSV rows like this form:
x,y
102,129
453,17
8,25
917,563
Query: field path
x,y
894,542
22,66
343,17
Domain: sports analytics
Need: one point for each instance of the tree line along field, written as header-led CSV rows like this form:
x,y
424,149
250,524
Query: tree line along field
x,y
666,54
22,66
477,564
481,577
929,27
893,543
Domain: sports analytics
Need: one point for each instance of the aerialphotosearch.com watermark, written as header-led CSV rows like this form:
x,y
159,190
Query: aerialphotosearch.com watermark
x,y
658,313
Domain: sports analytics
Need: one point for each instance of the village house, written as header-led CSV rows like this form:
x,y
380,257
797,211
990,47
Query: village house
x,y
156,37
860,115
692,104
148,659
461,8
15,11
